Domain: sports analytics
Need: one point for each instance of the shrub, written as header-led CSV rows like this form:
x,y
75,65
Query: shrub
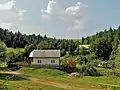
x,y
15,57
90,71
68,64
79,70
95,62
3,56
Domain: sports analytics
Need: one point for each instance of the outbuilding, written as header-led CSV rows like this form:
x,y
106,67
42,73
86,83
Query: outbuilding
x,y
45,58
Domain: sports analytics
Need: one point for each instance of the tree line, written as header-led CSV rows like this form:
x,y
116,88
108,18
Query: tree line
x,y
19,40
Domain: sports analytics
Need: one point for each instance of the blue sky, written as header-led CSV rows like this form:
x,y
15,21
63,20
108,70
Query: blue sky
x,y
59,18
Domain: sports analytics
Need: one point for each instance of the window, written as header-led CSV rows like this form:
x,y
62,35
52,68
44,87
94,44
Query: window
x,y
52,61
39,61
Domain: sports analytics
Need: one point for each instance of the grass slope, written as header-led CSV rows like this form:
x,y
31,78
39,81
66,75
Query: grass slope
x,y
58,77
42,72
84,82
14,82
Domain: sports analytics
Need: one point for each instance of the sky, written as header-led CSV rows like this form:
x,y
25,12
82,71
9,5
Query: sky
x,y
59,18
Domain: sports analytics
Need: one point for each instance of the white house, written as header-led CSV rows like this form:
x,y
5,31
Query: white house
x,y
45,58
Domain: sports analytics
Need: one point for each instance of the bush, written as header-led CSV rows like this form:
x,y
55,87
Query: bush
x,y
106,65
67,69
90,71
15,57
82,59
3,56
95,62
68,64
79,70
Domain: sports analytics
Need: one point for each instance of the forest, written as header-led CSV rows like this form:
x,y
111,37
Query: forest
x,y
18,40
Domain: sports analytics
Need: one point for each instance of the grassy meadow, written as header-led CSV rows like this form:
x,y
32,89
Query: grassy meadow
x,y
56,76
15,82
97,82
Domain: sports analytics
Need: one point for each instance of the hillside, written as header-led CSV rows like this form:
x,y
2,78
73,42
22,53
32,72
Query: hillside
x,y
36,78
104,51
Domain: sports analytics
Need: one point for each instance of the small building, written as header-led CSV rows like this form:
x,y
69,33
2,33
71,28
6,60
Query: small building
x,y
45,58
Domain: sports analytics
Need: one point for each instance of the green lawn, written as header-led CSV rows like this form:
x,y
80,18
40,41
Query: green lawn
x,y
53,75
28,85
14,82
42,72
59,76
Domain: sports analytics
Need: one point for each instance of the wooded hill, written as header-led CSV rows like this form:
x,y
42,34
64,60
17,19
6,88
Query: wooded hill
x,y
103,44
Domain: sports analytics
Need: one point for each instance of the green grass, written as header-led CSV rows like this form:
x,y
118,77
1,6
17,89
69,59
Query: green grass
x,y
15,82
50,74
103,79
15,50
28,85
43,72
53,75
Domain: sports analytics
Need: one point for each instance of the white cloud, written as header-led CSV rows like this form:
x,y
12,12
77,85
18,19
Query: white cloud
x,y
28,28
9,13
51,11
5,25
51,6
20,13
72,17
11,17
7,6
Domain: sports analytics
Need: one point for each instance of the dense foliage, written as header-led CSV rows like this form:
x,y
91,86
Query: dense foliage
x,y
18,40
104,43
3,56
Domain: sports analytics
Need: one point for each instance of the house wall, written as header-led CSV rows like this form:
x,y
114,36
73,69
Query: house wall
x,y
45,61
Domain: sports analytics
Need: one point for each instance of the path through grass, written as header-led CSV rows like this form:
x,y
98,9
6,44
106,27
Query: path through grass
x,y
13,81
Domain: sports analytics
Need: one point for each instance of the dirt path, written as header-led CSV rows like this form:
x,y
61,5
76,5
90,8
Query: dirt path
x,y
49,83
